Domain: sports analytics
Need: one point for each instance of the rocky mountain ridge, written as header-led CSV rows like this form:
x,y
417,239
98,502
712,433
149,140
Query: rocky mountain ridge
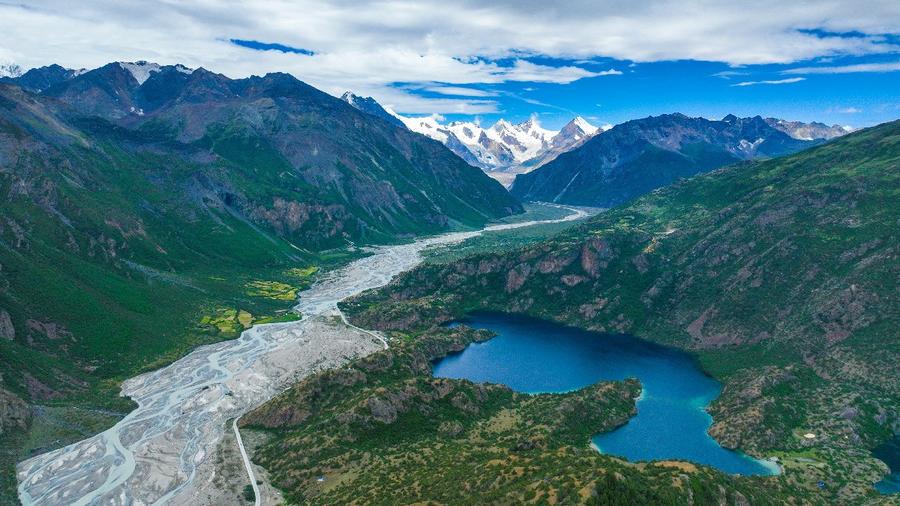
x,y
641,155
368,105
809,131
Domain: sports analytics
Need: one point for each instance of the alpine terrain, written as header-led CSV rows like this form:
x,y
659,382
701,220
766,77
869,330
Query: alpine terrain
x,y
778,275
587,253
502,150
148,209
641,155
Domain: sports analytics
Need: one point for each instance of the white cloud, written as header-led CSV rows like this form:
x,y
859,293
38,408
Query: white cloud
x,y
459,91
779,81
728,74
846,69
844,110
368,46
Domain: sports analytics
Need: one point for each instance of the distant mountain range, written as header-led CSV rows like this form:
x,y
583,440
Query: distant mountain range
x,y
502,149
638,156
808,131
506,149
10,70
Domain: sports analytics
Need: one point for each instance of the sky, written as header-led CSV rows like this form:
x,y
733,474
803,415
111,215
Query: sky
x,y
608,61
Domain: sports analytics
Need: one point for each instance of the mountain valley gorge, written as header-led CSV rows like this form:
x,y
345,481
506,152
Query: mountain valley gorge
x,y
219,290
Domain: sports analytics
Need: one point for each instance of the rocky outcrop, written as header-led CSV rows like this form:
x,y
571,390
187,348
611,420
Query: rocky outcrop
x,y
15,413
7,329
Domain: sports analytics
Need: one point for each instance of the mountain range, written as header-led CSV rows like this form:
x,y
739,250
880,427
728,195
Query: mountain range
x,y
501,150
334,154
506,149
778,275
148,209
641,155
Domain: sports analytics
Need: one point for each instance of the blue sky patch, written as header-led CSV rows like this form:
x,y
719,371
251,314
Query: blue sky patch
x,y
270,46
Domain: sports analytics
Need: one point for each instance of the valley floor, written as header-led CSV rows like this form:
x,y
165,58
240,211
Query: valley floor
x,y
164,449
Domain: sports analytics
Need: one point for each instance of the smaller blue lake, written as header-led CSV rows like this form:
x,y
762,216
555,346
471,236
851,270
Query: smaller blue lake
x,y
889,453
536,356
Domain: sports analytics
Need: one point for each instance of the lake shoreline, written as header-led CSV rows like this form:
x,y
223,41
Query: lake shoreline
x,y
694,400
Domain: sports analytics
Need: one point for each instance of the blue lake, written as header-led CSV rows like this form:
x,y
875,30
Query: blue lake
x,y
889,453
536,356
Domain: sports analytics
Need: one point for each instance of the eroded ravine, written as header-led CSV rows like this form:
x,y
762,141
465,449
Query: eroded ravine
x,y
153,454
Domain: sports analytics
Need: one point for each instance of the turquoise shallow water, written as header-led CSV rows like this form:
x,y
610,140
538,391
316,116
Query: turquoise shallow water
x,y
889,453
536,356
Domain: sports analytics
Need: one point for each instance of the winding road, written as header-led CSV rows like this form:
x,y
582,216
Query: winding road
x,y
155,454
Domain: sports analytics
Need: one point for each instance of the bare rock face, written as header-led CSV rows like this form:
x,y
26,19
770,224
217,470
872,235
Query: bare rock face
x,y
52,330
387,408
7,330
517,277
14,413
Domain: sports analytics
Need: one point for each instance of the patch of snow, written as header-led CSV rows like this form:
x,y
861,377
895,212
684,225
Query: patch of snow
x,y
525,140
428,126
748,146
11,70
141,70
349,97
585,127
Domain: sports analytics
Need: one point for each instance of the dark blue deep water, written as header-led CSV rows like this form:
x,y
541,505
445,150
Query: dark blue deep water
x,y
889,453
536,356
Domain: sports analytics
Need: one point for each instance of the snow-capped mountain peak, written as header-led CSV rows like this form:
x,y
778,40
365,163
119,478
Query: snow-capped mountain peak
x,y
370,106
503,146
11,70
184,70
583,125
349,97
141,70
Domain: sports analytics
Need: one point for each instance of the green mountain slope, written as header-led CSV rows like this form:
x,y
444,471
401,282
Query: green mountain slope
x,y
126,239
780,275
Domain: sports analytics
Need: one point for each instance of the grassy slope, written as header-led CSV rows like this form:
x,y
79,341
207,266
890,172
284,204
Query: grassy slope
x,y
781,275
94,241
120,250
